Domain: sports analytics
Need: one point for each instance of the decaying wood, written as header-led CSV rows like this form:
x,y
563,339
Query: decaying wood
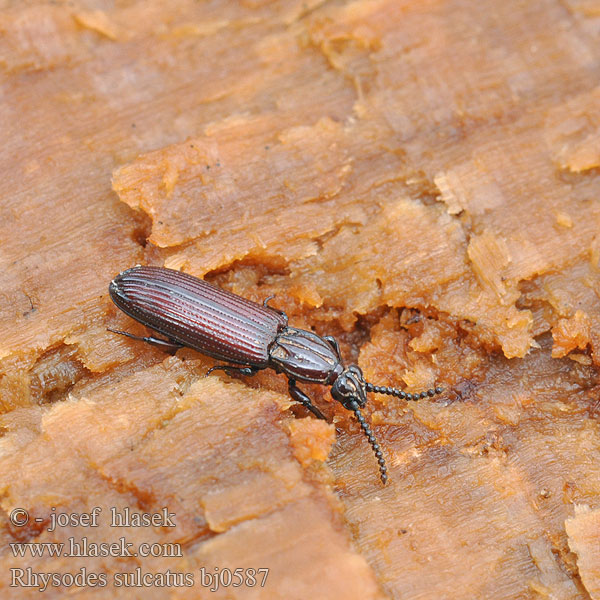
x,y
419,179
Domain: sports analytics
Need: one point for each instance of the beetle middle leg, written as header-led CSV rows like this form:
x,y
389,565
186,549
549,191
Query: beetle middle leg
x,y
297,394
333,343
229,369
266,305
168,345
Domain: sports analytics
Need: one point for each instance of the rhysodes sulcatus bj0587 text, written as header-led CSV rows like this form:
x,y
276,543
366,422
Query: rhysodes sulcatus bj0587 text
x,y
194,313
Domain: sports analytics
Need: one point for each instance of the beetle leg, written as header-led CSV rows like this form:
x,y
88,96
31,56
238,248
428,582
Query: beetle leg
x,y
297,394
333,343
266,305
229,369
167,345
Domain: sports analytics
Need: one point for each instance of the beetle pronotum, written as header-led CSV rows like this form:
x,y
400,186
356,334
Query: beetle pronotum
x,y
192,312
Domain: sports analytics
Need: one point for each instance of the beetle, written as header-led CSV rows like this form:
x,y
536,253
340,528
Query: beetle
x,y
194,313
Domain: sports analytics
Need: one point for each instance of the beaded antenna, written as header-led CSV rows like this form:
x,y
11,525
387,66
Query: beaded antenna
x,y
355,404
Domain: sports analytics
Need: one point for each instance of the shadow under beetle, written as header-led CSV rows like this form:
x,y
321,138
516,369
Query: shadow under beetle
x,y
194,313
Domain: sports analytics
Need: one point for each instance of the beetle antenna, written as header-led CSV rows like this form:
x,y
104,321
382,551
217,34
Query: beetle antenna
x,y
353,406
382,389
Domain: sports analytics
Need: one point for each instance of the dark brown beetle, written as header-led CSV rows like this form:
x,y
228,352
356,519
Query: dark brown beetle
x,y
192,312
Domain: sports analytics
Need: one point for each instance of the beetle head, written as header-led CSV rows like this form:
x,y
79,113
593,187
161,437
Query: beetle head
x,y
350,387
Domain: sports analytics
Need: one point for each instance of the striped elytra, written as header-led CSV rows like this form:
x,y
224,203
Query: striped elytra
x,y
197,314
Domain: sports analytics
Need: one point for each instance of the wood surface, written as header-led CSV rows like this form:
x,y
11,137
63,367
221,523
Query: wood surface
x,y
419,178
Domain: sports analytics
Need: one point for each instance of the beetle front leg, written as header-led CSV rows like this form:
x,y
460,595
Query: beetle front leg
x,y
297,394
